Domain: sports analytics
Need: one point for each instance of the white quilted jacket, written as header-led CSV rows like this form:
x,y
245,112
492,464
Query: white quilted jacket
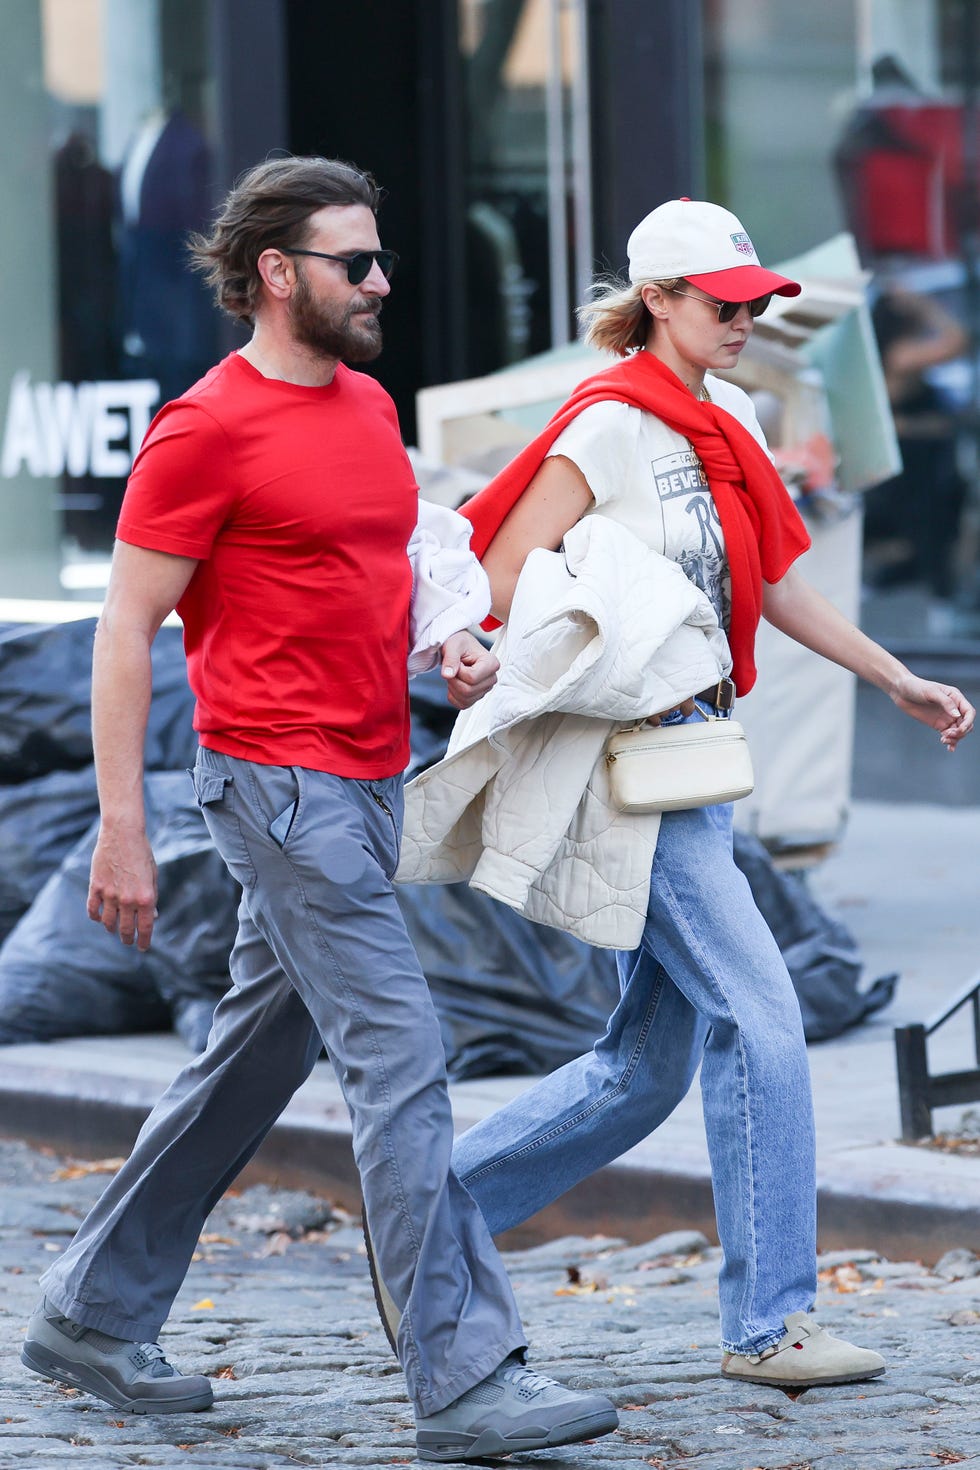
x,y
599,635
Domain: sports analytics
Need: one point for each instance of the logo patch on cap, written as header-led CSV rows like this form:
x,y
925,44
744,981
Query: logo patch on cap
x,y
743,244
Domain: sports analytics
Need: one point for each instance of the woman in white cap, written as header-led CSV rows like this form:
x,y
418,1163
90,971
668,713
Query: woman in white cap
x,y
677,457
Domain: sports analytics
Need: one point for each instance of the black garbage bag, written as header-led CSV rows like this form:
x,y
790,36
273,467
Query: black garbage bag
x,y
40,821
45,709
433,718
62,975
820,953
512,996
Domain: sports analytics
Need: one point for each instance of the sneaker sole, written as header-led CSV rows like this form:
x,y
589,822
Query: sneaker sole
x,y
379,1301
490,1443
819,1381
50,1364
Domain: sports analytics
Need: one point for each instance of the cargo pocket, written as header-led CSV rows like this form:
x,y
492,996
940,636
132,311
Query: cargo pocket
x,y
215,793
209,786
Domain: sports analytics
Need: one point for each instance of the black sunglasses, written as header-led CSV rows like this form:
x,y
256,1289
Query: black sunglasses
x,y
729,310
358,265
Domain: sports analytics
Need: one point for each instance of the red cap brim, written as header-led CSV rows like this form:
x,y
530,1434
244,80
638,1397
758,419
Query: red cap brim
x,y
744,283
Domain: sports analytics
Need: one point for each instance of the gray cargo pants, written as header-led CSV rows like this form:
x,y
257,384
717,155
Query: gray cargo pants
x,y
322,952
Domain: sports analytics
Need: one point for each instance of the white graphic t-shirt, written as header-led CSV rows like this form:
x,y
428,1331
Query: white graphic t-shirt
x,y
648,477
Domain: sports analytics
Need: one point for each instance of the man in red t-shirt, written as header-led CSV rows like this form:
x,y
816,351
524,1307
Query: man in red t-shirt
x,y
272,506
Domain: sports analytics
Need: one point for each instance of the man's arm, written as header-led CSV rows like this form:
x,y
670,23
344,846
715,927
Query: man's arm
x,y
144,587
803,613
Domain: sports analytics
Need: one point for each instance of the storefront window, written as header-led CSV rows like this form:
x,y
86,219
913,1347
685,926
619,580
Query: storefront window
x,y
527,172
111,100
861,116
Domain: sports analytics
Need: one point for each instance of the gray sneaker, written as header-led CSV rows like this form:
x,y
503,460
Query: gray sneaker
x,y
133,1376
511,1411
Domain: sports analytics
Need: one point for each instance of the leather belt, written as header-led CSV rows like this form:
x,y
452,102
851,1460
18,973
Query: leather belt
x,y
721,695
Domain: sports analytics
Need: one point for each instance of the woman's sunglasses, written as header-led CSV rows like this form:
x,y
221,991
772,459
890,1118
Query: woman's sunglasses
x,y
358,265
728,310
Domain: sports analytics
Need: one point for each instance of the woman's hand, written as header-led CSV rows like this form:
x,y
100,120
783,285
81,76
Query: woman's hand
x,y
940,706
803,613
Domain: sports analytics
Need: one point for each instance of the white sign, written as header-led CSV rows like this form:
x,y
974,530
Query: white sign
x,y
52,429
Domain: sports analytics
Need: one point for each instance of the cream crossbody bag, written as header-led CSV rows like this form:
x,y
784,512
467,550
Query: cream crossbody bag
x,y
664,768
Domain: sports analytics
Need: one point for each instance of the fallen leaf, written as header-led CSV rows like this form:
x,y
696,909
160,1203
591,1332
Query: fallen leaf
x,y
204,1305
227,1372
842,1278
578,1283
209,1239
81,1170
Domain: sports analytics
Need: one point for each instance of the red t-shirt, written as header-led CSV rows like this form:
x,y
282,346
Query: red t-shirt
x,y
298,504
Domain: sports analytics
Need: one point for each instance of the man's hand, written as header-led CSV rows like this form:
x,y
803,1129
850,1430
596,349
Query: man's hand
x,y
469,669
940,706
122,891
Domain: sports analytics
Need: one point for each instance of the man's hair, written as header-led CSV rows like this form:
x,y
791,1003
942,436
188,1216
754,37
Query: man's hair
x,y
270,206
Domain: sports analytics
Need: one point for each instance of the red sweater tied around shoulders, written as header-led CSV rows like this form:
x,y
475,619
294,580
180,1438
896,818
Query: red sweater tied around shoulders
x,y
763,531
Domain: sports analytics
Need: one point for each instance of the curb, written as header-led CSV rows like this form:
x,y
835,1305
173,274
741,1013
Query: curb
x,y
882,1206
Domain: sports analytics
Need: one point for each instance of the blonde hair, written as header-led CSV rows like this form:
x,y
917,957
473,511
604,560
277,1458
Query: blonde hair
x,y
615,316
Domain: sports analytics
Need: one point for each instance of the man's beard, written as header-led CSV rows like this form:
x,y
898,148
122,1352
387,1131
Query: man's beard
x,y
353,335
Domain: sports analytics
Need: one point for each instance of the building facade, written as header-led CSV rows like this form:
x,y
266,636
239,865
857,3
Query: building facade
x,y
519,141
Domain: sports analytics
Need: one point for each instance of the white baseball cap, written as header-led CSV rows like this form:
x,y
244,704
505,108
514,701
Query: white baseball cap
x,y
706,245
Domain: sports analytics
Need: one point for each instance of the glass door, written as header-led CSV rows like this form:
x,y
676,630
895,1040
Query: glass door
x,y
527,175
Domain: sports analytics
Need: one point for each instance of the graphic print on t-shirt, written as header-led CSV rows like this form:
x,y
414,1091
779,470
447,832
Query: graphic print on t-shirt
x,y
691,526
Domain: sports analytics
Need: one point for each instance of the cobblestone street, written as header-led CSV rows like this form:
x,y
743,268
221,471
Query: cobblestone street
x,y
278,1310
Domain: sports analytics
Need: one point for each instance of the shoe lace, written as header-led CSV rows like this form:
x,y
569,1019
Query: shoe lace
x,y
151,1355
525,1380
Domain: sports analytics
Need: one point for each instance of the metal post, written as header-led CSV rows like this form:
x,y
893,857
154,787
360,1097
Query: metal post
x,y
969,234
913,1082
581,128
557,188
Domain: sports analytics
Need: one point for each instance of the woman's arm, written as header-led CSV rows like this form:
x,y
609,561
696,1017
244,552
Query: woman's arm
x,y
800,611
556,498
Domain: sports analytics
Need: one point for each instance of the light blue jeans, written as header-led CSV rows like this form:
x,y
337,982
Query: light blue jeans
x,y
707,985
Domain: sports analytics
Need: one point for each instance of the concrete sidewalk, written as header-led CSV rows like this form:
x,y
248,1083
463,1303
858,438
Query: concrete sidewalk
x,y
904,880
